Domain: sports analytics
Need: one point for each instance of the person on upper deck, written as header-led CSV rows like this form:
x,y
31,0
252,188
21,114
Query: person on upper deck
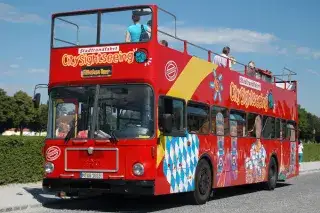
x,y
221,60
137,32
251,71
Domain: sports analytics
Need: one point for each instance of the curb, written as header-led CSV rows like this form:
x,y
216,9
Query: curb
x,y
24,207
18,208
33,206
309,171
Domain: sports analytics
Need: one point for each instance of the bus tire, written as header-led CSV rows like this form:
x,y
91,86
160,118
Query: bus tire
x,y
203,183
272,175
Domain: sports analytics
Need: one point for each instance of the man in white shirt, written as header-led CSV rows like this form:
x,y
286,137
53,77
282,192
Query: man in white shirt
x,y
221,60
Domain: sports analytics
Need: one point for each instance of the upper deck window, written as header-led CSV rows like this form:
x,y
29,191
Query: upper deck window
x,y
111,26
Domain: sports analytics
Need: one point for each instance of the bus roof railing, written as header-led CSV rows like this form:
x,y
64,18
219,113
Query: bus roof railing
x,y
273,78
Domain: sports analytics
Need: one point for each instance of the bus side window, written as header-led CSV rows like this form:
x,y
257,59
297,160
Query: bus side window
x,y
252,120
278,129
219,120
198,118
238,122
175,107
268,127
291,131
283,131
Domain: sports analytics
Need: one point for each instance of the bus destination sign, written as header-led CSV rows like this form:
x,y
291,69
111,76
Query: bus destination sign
x,y
91,72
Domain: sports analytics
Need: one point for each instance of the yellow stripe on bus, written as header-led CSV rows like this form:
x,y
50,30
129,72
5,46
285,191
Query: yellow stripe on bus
x,y
184,87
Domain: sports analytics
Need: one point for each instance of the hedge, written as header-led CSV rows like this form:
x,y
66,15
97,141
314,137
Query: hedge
x,y
21,159
311,152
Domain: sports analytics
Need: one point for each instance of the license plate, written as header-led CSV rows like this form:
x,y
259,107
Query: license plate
x,y
91,175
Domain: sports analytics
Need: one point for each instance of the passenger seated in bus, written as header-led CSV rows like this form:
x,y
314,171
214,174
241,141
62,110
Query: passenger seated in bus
x,y
137,32
149,25
221,60
164,43
266,77
256,129
205,128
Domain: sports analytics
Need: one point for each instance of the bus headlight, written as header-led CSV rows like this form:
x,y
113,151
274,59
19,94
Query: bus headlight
x,y
49,167
138,169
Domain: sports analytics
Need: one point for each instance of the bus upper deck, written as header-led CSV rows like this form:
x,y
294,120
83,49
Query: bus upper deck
x,y
96,41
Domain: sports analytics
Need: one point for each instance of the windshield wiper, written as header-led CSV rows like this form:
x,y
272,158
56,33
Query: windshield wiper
x,y
69,134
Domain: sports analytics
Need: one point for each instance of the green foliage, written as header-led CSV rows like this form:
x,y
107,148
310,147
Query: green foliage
x,y
23,110
307,123
40,120
21,159
18,112
6,113
311,152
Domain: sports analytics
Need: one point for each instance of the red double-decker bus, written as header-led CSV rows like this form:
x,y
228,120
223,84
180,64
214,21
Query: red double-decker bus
x,y
132,114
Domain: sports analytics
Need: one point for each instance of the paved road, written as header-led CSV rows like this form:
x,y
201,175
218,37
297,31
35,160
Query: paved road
x,y
301,194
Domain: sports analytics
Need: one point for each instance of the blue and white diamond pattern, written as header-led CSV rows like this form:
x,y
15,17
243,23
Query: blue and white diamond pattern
x,y
180,162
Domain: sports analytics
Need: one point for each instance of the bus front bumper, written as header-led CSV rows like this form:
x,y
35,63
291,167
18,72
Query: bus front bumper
x,y
101,186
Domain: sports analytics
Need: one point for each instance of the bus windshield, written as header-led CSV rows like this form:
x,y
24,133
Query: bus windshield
x,y
122,111
125,111
70,111
85,28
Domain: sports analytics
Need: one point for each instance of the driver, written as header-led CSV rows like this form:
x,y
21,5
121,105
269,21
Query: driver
x,y
63,129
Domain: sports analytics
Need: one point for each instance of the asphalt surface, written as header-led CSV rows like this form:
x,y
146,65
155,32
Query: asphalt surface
x,y
300,194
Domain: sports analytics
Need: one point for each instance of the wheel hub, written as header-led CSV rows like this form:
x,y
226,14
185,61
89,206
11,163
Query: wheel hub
x,y
204,181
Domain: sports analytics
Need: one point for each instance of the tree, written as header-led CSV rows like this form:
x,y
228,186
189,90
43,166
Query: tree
x,y
304,124
6,113
23,110
40,120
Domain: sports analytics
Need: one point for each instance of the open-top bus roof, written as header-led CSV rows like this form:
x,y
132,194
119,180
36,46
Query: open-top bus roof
x,y
79,12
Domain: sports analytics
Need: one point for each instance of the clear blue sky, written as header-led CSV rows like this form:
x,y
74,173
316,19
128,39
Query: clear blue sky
x,y
272,33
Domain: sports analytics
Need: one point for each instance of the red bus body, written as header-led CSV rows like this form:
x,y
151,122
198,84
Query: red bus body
x,y
170,160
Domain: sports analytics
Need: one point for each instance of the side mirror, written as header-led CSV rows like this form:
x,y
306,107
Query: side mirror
x,y
36,100
166,122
